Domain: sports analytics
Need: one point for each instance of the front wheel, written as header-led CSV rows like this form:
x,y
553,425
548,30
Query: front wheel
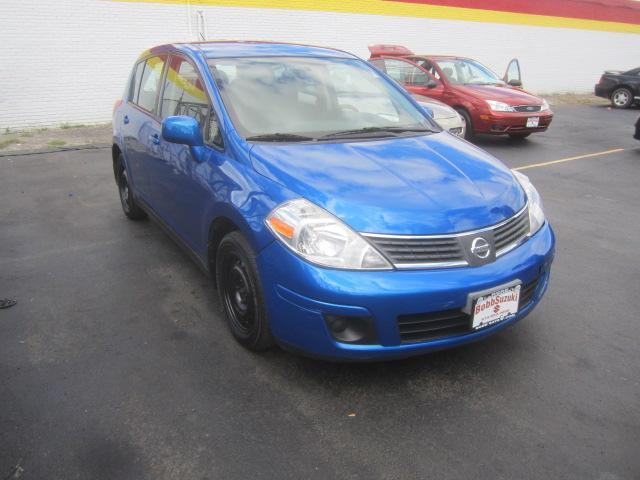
x,y
240,293
621,98
466,122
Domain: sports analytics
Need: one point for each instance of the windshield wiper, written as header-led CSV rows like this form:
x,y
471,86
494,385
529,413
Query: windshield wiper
x,y
279,137
366,130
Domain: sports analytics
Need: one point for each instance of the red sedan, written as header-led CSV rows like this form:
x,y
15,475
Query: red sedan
x,y
487,103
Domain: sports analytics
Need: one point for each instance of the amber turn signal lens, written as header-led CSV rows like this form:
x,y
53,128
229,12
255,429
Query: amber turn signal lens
x,y
281,227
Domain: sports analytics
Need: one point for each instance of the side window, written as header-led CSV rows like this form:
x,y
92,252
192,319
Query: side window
x,y
379,64
150,82
134,88
405,73
184,94
428,66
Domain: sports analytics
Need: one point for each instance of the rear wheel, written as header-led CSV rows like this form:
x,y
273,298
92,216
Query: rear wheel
x,y
129,205
240,293
519,136
621,98
466,122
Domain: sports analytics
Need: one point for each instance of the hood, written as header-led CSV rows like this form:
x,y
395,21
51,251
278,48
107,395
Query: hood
x,y
414,185
507,94
439,109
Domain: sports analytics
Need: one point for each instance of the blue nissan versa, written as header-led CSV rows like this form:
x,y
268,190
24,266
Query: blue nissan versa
x,y
336,217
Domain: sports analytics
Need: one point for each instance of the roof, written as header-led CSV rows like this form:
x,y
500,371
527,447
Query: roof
x,y
218,49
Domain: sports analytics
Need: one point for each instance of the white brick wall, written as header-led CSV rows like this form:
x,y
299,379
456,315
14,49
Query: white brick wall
x,y
66,61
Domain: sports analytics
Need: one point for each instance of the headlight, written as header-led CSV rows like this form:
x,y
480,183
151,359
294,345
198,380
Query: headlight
x,y
499,106
545,105
318,236
536,214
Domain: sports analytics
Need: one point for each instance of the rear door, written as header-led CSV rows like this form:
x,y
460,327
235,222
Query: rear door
x,y
142,126
413,77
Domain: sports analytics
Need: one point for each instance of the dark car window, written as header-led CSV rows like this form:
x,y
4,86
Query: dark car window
x,y
148,95
184,94
134,88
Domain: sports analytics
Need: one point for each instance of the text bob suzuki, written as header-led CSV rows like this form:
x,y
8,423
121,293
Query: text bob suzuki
x,y
336,217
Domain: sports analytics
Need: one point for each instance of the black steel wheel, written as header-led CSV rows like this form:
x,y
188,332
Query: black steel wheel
x,y
240,293
129,205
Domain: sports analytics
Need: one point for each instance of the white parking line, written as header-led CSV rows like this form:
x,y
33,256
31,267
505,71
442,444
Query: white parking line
x,y
570,159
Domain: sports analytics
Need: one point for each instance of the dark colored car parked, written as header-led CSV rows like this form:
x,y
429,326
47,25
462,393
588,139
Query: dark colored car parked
x,y
622,88
637,134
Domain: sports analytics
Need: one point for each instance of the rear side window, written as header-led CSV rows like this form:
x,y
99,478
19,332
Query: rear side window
x,y
150,83
404,72
134,88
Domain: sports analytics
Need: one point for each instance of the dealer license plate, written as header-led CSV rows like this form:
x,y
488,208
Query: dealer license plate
x,y
532,122
495,307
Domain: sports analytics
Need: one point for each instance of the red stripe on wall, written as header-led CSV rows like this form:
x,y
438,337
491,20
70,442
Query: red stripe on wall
x,y
624,11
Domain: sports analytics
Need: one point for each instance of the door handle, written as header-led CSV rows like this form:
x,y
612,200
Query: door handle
x,y
155,139
126,119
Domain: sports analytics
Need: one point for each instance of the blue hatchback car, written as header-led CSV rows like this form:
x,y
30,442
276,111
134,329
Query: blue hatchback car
x,y
336,217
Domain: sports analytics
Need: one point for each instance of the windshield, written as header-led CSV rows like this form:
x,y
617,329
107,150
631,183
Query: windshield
x,y
301,98
462,71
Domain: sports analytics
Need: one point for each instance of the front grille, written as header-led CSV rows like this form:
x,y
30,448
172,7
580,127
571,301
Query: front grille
x,y
429,326
421,327
526,293
440,251
511,233
528,108
421,250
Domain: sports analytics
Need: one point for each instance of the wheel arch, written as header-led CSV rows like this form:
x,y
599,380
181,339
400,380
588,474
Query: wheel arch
x,y
219,227
115,155
622,85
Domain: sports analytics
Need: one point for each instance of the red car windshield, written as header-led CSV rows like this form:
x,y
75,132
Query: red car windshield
x,y
462,71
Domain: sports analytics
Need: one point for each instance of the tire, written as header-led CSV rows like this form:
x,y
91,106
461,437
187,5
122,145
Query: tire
x,y
519,136
240,293
621,98
128,202
468,126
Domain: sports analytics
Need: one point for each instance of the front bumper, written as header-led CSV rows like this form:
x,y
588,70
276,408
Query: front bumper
x,y
499,123
453,125
300,295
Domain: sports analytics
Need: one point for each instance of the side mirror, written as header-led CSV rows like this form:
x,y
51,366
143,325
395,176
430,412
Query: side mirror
x,y
183,130
432,83
515,83
427,110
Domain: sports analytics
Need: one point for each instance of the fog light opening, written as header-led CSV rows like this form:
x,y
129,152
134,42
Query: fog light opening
x,y
358,330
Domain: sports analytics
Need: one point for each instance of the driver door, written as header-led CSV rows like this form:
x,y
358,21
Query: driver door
x,y
513,75
413,77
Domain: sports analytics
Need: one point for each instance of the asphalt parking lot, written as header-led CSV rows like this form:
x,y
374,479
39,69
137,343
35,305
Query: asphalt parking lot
x,y
116,364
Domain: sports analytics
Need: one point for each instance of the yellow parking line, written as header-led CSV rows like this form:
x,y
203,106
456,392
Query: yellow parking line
x,y
570,159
